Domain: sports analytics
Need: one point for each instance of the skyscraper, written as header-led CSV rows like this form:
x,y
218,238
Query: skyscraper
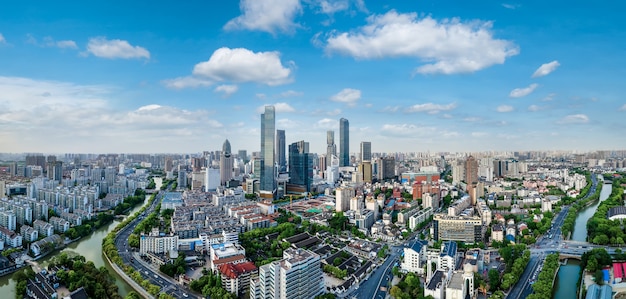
x,y
344,142
331,147
268,131
366,151
471,170
280,150
226,163
300,165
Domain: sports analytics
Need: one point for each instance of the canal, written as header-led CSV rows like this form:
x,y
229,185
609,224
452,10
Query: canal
x,y
90,247
569,274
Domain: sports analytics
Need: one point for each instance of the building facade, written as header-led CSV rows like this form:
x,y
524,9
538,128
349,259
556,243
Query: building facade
x,y
344,142
268,132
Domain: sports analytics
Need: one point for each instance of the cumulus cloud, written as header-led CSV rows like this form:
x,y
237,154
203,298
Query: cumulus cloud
x,y
447,46
227,89
115,48
331,7
546,68
505,108
243,65
35,109
431,108
348,96
186,82
574,119
327,124
522,92
278,108
267,15
549,97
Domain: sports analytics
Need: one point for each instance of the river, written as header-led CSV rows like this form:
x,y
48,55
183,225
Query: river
x,y
569,274
91,248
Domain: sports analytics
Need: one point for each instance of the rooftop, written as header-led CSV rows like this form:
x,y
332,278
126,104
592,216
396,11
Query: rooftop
x,y
449,249
435,281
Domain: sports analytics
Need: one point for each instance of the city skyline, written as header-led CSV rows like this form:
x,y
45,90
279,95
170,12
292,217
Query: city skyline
x,y
410,77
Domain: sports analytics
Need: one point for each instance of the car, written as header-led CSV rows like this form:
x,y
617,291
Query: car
x,y
185,295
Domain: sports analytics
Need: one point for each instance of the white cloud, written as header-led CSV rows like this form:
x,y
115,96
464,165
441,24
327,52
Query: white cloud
x,y
348,96
334,112
243,65
327,124
535,108
505,108
227,89
472,119
290,94
260,96
510,6
279,108
546,69
391,109
522,92
549,97
66,44
186,82
623,108
2,39
431,108
267,15
35,109
285,123
331,7
115,48
574,119
49,42
447,46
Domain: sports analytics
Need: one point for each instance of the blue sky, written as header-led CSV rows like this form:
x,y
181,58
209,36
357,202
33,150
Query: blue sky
x,y
156,76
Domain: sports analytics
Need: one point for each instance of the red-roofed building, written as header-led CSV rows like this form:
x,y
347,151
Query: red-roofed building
x,y
236,277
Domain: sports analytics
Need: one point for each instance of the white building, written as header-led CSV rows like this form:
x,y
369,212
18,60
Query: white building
x,y
297,276
414,257
342,198
157,244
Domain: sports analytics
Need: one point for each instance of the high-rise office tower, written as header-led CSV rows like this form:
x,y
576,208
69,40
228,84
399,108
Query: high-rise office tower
x,y
300,165
344,142
471,170
331,147
268,132
226,163
243,155
280,150
366,151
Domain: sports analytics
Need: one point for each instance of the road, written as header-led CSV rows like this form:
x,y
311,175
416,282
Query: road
x,y
167,284
381,277
552,241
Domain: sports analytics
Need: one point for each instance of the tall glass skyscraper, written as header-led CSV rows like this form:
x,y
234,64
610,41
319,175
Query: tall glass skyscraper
x,y
300,165
268,132
280,150
331,148
366,151
344,142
